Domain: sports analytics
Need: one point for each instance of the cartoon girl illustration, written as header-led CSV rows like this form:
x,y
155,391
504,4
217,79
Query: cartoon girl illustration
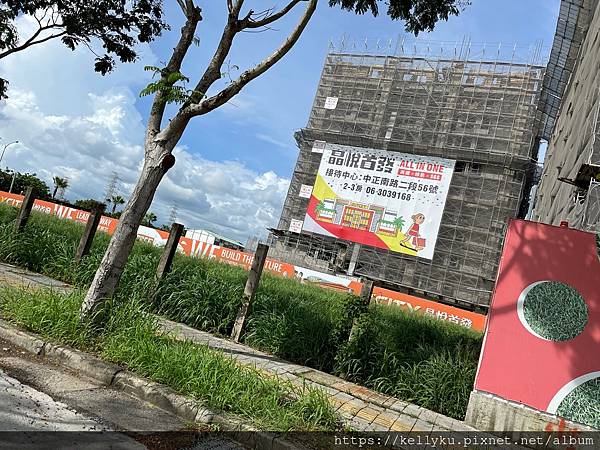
x,y
413,232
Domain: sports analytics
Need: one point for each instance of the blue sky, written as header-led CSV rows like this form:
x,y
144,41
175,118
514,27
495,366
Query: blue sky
x,y
234,164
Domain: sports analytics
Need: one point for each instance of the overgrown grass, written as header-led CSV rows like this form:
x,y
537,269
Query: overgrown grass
x,y
49,314
415,358
131,338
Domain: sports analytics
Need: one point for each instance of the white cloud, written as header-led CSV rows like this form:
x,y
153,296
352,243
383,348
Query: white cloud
x,y
271,140
72,122
226,195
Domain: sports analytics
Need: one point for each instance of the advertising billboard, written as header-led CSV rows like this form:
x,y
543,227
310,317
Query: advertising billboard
x,y
383,199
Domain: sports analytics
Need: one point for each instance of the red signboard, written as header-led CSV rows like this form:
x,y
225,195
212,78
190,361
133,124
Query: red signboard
x,y
529,357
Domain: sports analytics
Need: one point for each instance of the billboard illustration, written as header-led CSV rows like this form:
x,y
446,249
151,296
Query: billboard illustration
x,y
383,199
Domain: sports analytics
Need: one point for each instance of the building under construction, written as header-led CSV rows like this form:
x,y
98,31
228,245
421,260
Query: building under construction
x,y
474,104
570,186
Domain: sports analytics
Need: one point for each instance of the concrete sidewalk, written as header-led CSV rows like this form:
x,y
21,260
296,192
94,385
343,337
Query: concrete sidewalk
x,y
360,408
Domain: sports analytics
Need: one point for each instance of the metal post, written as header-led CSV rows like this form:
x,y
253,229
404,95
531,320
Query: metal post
x,y
12,182
5,147
85,243
25,210
366,293
260,256
166,259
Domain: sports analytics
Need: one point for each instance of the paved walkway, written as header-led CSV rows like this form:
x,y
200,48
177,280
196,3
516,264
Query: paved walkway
x,y
361,408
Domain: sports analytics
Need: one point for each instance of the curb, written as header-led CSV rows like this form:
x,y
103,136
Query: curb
x,y
159,395
23,339
88,365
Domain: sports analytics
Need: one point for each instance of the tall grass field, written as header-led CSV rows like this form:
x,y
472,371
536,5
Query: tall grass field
x,y
413,357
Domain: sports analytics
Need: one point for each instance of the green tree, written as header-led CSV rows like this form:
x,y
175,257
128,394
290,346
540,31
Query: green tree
x,y
149,218
319,207
399,222
163,133
90,204
119,25
59,183
22,181
116,201
5,179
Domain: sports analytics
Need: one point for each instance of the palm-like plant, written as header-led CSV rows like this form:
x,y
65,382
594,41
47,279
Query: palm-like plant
x,y
320,207
116,200
398,222
59,183
149,218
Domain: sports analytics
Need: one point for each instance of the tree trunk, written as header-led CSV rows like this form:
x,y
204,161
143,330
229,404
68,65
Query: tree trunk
x,y
54,193
113,263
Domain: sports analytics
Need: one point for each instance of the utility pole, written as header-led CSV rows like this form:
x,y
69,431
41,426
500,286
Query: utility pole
x,y
111,188
12,182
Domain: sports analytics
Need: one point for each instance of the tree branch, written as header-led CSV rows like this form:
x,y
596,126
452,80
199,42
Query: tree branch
x,y
47,38
226,94
185,41
189,6
235,11
39,20
271,18
213,71
182,6
31,41
234,25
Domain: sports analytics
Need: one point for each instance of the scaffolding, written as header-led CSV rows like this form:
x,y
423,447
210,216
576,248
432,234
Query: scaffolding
x,y
569,110
574,18
473,103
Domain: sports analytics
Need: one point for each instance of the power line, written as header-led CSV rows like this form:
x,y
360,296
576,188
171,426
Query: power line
x,y
111,187
173,214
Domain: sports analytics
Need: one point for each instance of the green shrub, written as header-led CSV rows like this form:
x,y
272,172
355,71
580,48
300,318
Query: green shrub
x,y
413,357
297,322
203,294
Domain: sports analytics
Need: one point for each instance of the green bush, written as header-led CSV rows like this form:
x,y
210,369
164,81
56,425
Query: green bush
x,y
413,357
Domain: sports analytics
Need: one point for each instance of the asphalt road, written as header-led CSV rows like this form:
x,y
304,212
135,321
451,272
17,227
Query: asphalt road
x,y
44,406
30,419
23,408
